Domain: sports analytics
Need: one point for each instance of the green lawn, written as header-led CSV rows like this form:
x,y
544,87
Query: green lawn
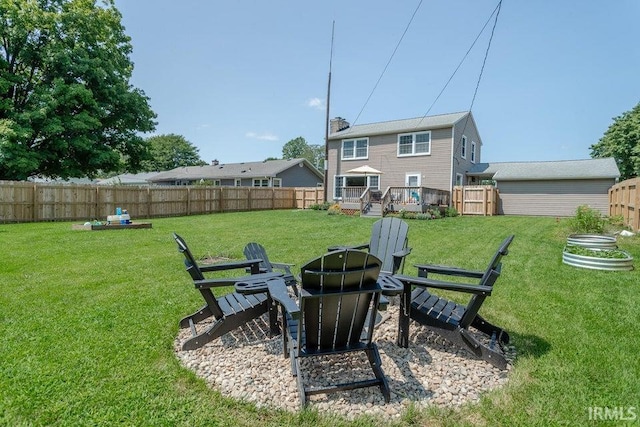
x,y
88,319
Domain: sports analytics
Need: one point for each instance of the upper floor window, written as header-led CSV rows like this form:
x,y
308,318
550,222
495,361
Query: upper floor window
x,y
355,149
463,147
473,151
414,144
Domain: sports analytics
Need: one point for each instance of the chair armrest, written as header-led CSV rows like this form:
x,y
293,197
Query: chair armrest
x,y
251,283
278,292
423,270
340,248
402,253
440,284
215,283
249,263
283,266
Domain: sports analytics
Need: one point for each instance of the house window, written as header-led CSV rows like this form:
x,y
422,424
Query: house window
x,y
463,147
458,179
338,183
355,149
374,182
473,152
277,182
261,182
216,182
412,180
414,144
238,182
371,181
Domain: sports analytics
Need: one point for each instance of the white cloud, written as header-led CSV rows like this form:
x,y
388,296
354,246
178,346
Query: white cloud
x,y
316,103
264,136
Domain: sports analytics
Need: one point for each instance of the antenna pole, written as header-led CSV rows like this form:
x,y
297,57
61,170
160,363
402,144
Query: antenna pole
x,y
326,135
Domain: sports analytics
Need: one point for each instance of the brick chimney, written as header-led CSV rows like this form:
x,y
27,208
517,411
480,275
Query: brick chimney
x,y
338,124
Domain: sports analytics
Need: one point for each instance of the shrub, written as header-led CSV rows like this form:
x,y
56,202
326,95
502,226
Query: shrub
x,y
320,206
407,215
435,213
451,212
425,215
587,220
334,209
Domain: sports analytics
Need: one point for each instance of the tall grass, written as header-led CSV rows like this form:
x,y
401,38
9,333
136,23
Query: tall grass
x,y
88,319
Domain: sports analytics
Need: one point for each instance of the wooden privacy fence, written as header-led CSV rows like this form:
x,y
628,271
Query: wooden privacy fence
x,y
476,200
624,199
28,202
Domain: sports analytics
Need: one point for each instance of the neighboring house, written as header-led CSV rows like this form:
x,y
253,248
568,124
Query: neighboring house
x,y
271,173
554,188
433,152
129,179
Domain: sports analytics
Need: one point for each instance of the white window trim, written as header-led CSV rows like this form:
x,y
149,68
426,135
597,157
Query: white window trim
x,y
408,174
238,182
259,181
355,149
277,182
335,186
459,178
473,151
463,147
413,144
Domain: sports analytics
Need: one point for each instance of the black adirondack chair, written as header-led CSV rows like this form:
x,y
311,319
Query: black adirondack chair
x,y
337,292
389,242
229,311
452,320
255,250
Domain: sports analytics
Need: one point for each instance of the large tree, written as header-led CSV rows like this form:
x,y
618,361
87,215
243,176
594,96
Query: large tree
x,y
171,151
622,142
298,148
66,105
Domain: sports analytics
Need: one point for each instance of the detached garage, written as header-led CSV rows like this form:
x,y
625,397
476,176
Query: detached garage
x,y
550,188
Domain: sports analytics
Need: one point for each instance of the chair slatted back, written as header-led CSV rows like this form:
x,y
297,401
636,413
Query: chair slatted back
x,y
388,235
196,274
189,260
338,290
488,279
255,250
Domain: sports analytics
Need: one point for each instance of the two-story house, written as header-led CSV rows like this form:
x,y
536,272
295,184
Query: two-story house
x,y
404,157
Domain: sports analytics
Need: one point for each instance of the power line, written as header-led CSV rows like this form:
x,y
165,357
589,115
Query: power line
x,y
496,9
388,62
484,61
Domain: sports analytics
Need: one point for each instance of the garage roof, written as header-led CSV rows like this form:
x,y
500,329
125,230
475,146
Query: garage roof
x,y
561,169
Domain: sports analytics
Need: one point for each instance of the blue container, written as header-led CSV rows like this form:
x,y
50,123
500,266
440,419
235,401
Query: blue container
x,y
118,211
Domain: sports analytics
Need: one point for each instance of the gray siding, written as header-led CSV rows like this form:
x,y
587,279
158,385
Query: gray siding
x,y
383,155
553,198
299,176
460,165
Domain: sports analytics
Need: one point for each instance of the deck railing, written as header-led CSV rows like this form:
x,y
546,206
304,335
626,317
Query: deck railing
x,y
352,194
395,198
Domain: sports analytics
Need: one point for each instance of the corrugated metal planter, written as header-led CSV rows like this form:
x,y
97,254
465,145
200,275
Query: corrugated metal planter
x,y
592,241
622,261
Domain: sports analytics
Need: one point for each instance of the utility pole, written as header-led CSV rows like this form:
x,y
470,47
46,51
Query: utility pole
x,y
326,127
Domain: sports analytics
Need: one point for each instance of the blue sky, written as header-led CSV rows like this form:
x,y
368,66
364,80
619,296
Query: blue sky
x,y
239,79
